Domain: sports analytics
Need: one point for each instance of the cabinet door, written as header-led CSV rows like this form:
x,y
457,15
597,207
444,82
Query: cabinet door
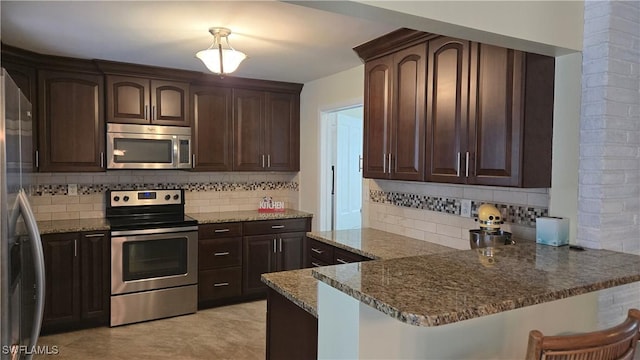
x,y
248,130
212,128
377,117
290,251
62,269
408,142
95,276
128,100
71,121
495,115
282,132
259,257
169,103
447,100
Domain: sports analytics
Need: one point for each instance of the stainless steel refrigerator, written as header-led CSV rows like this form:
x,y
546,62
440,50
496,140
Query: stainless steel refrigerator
x,y
21,258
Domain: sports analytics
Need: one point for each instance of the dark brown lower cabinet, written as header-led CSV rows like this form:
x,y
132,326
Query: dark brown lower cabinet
x,y
292,333
77,280
323,254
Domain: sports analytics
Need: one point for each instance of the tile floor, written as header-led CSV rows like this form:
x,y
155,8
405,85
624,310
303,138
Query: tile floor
x,y
227,332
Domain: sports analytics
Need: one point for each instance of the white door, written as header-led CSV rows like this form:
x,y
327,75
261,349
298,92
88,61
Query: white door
x,y
348,176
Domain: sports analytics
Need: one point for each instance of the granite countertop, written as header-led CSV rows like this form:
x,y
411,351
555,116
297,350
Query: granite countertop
x,y
248,215
74,225
300,287
455,286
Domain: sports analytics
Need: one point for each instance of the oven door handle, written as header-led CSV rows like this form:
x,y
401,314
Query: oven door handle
x,y
154,231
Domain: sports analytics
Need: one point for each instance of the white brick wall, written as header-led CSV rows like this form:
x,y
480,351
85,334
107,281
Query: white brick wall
x,y
609,180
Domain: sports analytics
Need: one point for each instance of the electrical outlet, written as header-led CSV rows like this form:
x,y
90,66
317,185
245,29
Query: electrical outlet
x,y
465,208
72,189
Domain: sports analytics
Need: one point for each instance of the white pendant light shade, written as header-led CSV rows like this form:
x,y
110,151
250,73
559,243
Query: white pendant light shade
x,y
218,58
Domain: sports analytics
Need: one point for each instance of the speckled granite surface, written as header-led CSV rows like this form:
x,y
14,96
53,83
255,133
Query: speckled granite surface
x,y
251,215
445,288
75,225
377,244
300,287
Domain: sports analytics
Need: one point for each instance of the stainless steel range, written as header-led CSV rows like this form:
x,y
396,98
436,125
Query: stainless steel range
x,y
154,255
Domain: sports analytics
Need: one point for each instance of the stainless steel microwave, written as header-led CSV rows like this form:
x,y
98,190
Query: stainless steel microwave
x,y
131,146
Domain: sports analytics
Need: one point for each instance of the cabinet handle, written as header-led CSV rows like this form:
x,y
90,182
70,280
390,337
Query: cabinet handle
x,y
37,159
269,161
280,244
146,112
221,284
341,261
317,251
466,164
263,161
277,226
390,163
274,246
458,165
315,264
75,248
102,159
221,230
384,163
360,163
221,253
193,161
93,235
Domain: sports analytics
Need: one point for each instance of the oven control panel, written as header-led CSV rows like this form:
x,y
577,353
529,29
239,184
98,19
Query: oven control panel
x,y
145,197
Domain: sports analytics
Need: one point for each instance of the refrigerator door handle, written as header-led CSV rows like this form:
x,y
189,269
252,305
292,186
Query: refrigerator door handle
x,y
38,258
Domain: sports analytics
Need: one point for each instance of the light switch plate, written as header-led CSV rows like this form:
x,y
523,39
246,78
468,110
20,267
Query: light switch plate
x,y
72,189
465,208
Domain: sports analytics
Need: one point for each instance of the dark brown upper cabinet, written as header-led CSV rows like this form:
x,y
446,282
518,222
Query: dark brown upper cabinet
x,y
212,128
71,121
135,100
266,131
504,138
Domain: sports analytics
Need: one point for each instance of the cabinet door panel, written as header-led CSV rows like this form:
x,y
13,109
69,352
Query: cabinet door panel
x,y
408,121
95,276
169,104
248,110
212,128
282,132
71,121
377,117
127,100
447,93
258,258
290,251
494,121
62,291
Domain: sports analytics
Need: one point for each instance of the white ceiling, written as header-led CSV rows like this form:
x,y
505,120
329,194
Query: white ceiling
x,y
283,41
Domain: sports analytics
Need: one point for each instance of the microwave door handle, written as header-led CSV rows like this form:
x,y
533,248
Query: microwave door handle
x,y
176,151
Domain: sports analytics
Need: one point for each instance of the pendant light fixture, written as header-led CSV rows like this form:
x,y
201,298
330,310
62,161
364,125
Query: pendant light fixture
x,y
218,58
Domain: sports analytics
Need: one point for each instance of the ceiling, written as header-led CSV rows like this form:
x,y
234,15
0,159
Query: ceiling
x,y
283,41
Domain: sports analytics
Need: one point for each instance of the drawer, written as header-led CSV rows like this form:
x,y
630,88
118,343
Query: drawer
x,y
219,284
264,227
219,253
320,251
341,256
214,231
315,262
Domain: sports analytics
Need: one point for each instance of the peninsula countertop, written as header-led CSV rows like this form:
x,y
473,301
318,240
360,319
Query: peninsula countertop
x,y
300,287
445,288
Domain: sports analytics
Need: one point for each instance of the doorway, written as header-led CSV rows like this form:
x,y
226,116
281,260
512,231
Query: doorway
x,y
343,168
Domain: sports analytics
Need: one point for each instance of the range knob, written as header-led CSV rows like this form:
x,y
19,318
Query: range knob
x,y
125,198
116,198
176,197
167,197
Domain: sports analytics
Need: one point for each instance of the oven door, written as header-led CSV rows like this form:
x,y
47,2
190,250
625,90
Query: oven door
x,y
152,259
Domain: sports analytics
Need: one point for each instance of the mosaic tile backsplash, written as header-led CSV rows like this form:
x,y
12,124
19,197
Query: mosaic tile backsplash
x,y
514,214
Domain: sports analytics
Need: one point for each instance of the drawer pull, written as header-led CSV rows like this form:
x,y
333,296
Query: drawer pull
x,y
221,253
316,264
341,261
94,235
221,284
221,230
277,226
317,251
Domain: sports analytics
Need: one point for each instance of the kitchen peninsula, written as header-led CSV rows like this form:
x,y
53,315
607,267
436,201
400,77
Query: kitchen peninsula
x,y
458,304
